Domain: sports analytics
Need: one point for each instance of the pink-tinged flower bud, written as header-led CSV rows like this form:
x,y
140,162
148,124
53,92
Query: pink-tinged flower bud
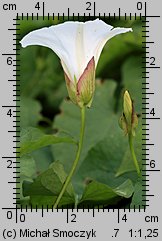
x,y
81,92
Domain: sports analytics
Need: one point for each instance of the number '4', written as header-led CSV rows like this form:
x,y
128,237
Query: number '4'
x,y
9,113
124,218
37,6
152,112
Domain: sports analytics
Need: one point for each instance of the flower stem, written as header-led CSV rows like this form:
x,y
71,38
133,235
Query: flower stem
x,y
73,168
133,154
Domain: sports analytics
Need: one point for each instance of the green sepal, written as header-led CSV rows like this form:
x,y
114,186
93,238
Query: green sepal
x,y
71,88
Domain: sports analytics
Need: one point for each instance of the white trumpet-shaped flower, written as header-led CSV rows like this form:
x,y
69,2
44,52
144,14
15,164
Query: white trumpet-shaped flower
x,y
78,45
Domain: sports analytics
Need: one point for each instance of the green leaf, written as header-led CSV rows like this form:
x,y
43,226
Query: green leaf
x,y
32,139
125,189
43,158
137,196
99,193
27,172
30,112
47,186
27,166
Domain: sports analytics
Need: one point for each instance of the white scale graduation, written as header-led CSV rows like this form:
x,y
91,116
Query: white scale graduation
x,y
97,222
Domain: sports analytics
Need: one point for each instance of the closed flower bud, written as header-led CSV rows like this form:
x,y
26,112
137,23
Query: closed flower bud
x,y
127,107
129,120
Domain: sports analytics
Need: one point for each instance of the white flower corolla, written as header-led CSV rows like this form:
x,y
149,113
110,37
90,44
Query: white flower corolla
x,y
78,45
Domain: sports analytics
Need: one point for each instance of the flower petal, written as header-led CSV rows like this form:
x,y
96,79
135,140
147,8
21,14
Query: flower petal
x,y
96,34
59,38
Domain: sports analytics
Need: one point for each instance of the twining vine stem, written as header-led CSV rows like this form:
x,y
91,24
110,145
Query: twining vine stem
x,y
73,168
